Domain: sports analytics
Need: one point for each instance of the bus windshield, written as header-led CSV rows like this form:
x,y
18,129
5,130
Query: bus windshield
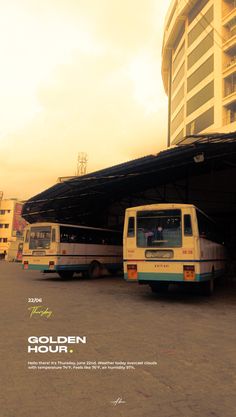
x,y
159,228
40,237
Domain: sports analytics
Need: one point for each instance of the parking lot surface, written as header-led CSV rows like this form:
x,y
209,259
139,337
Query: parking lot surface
x,y
191,337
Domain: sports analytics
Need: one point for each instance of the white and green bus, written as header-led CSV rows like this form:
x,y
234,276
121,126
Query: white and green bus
x,y
172,243
67,249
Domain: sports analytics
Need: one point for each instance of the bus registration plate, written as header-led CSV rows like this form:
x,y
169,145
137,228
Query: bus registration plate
x,y
132,272
189,273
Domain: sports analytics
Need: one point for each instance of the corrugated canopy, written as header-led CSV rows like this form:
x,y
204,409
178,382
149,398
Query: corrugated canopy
x,y
81,200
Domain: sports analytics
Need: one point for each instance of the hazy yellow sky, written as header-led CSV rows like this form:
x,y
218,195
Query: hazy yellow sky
x,y
78,76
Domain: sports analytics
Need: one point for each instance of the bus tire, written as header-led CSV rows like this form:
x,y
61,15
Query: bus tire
x,y
94,270
66,274
159,287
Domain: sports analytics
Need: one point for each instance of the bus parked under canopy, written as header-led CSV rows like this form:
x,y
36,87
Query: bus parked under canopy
x,y
66,249
172,243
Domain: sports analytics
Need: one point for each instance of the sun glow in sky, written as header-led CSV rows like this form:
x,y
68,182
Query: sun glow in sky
x,y
78,76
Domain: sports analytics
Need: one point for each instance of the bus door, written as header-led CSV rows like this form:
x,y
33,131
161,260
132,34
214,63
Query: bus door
x,y
189,244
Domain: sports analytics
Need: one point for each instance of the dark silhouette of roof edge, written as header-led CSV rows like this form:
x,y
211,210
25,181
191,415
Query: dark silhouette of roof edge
x,y
165,161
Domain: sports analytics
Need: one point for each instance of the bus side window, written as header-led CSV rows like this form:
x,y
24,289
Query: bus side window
x,y
207,228
187,225
53,235
131,232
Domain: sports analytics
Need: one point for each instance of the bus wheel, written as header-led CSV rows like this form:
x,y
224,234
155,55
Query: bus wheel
x,y
94,270
66,274
159,286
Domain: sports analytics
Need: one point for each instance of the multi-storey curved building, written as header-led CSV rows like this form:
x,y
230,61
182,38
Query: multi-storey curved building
x,y
199,67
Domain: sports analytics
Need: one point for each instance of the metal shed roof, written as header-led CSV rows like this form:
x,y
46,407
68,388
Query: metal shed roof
x,y
79,199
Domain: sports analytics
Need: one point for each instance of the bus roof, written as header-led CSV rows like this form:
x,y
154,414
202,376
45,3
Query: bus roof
x,y
161,206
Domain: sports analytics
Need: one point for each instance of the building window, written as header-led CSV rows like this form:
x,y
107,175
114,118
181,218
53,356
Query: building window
x,y
179,56
201,49
178,138
230,114
228,6
231,28
177,99
196,10
4,240
2,211
179,76
6,226
199,28
230,60
230,84
179,37
204,95
202,72
177,121
203,121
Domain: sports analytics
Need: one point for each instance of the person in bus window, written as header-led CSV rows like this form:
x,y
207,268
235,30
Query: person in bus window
x,y
159,233
149,237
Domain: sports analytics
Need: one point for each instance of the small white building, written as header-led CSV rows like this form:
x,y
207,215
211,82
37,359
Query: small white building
x,y
11,225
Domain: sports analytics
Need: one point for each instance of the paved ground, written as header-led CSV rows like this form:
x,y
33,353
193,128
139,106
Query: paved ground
x,y
191,337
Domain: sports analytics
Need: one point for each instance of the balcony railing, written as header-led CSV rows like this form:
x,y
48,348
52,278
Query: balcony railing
x,y
230,89
228,9
230,117
229,34
230,62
